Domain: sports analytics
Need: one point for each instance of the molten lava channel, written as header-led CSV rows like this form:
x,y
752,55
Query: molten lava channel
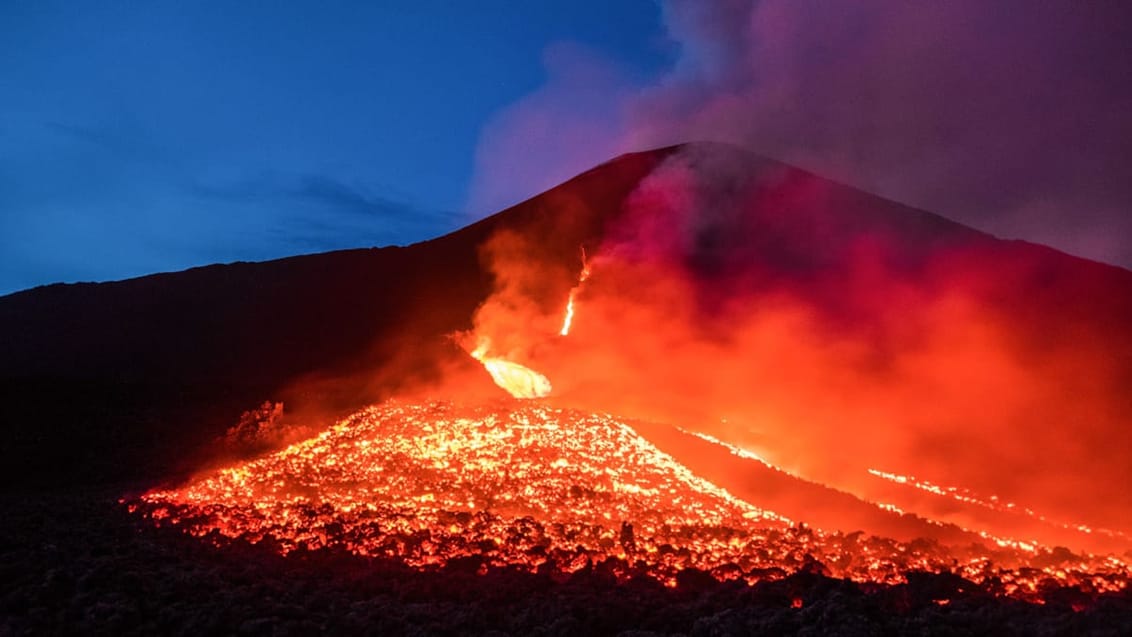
x,y
518,380
520,484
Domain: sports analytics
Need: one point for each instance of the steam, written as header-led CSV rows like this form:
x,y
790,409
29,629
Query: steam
x,y
1008,116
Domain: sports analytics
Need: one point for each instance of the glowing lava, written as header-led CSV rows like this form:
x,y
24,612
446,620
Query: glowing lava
x,y
519,484
568,319
991,503
516,379
523,485
519,380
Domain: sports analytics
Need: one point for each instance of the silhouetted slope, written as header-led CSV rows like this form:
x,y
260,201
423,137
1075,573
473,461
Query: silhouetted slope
x,y
134,379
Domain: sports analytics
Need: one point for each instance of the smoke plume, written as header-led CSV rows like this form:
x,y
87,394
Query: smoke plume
x,y
1009,116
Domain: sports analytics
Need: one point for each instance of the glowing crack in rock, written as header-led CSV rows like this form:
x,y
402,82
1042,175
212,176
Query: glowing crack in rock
x,y
568,318
733,449
991,503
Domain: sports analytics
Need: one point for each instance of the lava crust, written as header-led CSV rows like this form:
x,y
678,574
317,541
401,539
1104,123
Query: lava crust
x,y
521,484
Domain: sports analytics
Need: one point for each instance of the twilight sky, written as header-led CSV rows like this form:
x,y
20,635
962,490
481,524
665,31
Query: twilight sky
x,y
144,137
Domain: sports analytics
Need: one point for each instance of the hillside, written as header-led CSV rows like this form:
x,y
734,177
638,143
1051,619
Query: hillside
x,y
136,379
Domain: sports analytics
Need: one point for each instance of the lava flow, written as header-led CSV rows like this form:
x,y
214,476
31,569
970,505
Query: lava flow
x,y
568,318
521,484
518,380
517,484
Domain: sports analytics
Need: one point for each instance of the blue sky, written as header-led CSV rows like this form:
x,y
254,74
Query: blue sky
x,y
140,137
150,136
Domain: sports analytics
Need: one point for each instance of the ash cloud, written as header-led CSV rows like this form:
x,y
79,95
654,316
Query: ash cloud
x,y
1009,116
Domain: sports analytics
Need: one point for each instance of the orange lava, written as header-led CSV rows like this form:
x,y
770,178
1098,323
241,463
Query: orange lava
x,y
523,484
568,317
992,503
518,380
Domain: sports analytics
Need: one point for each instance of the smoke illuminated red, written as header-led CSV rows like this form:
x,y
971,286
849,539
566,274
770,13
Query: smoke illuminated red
x,y
766,313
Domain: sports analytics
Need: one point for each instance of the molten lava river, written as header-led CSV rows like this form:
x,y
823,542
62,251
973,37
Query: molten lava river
x,y
521,484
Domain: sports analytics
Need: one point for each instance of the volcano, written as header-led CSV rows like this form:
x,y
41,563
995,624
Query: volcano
x,y
691,359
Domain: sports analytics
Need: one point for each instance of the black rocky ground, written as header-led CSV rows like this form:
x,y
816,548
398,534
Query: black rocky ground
x,y
75,562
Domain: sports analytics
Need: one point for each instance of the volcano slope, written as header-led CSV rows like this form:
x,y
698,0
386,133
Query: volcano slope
x,y
137,379
840,336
